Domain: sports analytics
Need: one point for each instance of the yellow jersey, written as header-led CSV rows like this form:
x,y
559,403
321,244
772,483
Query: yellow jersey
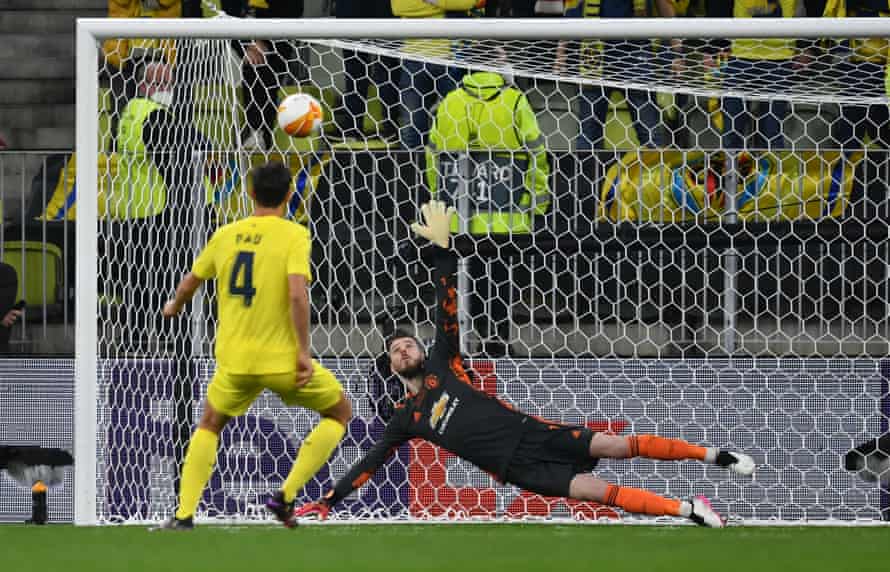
x,y
421,9
251,260
768,49
872,50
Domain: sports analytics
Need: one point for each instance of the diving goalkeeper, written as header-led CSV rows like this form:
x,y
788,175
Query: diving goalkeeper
x,y
543,457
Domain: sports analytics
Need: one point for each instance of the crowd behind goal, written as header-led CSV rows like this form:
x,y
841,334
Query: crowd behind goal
x,y
589,143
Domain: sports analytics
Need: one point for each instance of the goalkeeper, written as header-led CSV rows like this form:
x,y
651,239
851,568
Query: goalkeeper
x,y
543,457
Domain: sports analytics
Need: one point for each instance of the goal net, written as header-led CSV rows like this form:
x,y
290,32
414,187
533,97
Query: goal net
x,y
662,229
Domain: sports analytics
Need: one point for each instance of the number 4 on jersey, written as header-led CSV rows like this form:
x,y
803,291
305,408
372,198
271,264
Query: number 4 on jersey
x,y
243,260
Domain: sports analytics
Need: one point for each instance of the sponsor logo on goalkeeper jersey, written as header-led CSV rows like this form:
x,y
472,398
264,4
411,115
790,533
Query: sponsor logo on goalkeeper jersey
x,y
448,415
437,411
441,412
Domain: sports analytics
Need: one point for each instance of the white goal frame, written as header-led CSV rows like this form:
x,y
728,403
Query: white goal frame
x,y
90,32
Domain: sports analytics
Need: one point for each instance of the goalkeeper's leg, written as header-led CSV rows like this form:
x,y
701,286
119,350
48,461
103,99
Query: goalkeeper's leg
x,y
639,501
666,449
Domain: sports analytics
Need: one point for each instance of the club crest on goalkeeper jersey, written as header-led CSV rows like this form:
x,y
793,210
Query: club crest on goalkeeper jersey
x,y
251,260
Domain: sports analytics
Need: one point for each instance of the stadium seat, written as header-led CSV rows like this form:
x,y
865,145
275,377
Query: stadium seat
x,y
40,274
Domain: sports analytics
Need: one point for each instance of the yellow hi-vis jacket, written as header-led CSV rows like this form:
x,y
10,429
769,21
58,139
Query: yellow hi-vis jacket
x,y
486,140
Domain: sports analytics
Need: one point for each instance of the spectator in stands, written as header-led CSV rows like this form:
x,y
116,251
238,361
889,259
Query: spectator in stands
x,y
421,83
156,161
677,124
755,65
525,8
862,69
529,59
123,57
9,285
360,69
192,9
490,128
156,190
630,59
264,68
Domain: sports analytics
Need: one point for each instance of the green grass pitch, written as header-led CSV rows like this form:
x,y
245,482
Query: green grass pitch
x,y
451,548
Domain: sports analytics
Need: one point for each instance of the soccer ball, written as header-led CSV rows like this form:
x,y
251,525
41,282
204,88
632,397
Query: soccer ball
x,y
299,115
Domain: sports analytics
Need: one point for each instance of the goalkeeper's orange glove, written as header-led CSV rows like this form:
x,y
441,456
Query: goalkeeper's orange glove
x,y
317,510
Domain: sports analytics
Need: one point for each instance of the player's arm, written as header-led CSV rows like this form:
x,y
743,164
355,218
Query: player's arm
x,y
665,8
562,48
184,293
538,177
203,269
299,275
299,313
438,231
361,472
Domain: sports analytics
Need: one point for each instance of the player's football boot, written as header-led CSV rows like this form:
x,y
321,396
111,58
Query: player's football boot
x,y
739,463
174,523
703,514
282,510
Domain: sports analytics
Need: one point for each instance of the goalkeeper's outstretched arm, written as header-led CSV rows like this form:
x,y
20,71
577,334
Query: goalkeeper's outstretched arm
x,y
437,229
204,268
361,472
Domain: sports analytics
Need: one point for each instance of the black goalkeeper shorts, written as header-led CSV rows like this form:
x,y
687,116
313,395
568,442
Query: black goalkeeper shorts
x,y
548,457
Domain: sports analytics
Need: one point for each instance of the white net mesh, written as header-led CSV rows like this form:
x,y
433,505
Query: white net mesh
x,y
802,71
700,252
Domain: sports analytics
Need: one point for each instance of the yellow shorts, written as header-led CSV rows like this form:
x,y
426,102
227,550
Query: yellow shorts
x,y
233,393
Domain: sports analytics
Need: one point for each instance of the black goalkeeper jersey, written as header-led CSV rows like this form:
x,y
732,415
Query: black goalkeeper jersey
x,y
448,411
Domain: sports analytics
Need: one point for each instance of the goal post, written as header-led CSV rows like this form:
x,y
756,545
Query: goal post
x,y
86,396
729,294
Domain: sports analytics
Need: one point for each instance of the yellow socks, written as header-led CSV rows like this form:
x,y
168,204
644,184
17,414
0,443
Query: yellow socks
x,y
196,470
201,457
314,452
